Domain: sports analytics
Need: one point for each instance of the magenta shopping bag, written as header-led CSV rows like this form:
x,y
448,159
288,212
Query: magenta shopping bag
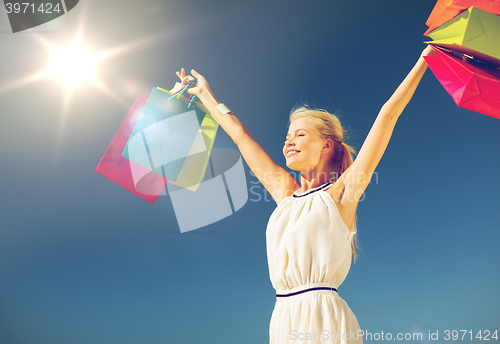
x,y
472,85
128,174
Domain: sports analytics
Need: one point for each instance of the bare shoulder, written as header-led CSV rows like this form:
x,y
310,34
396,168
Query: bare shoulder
x,y
346,208
285,188
338,188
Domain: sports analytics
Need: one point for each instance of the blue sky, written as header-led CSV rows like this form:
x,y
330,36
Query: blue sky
x,y
84,261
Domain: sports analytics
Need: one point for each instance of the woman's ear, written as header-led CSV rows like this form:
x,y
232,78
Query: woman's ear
x,y
328,144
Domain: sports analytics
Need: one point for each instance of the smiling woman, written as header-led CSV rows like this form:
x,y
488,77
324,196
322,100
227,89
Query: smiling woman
x,y
306,123
310,234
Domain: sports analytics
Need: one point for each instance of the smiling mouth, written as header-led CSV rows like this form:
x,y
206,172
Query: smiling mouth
x,y
292,152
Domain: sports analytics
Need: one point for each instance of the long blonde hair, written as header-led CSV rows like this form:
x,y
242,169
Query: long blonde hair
x,y
329,127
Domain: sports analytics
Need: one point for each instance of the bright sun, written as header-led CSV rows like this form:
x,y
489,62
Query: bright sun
x,y
74,65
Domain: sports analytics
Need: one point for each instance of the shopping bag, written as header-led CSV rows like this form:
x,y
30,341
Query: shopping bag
x,y
445,10
131,176
474,32
472,85
173,138
196,163
222,192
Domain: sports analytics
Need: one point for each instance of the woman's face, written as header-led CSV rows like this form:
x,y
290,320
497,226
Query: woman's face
x,y
303,145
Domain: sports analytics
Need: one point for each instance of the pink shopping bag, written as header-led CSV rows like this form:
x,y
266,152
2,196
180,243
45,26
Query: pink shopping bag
x,y
472,85
128,174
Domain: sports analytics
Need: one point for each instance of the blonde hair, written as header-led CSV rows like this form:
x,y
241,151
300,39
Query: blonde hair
x,y
329,127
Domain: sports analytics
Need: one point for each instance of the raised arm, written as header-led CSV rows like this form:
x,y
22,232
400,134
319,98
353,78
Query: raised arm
x,y
357,177
278,182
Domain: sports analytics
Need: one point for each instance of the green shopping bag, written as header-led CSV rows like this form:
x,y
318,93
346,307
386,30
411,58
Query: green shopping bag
x,y
474,32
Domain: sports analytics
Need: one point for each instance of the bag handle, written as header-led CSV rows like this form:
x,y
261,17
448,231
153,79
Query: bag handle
x,y
185,88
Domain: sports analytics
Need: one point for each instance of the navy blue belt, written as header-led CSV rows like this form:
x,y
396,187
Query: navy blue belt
x,y
306,290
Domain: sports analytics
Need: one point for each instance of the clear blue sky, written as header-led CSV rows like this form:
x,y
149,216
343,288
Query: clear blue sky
x,y
83,261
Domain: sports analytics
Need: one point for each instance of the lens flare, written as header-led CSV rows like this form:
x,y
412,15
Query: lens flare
x,y
74,65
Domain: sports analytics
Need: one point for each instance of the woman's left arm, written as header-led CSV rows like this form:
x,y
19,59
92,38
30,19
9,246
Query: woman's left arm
x,y
357,177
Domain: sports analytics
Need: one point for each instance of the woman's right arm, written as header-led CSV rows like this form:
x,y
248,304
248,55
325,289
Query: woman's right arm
x,y
278,182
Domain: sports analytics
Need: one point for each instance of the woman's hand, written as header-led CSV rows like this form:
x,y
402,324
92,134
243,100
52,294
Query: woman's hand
x,y
428,51
200,86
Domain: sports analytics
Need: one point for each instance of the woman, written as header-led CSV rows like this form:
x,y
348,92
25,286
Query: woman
x,y
310,233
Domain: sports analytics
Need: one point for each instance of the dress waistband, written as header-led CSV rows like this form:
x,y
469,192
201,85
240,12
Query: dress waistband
x,y
305,288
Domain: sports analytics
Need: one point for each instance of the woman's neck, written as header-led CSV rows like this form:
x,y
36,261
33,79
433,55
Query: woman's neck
x,y
308,182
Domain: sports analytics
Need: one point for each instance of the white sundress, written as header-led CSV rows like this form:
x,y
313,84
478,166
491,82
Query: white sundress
x,y
309,246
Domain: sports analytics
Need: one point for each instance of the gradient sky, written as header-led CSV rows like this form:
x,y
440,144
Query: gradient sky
x,y
83,261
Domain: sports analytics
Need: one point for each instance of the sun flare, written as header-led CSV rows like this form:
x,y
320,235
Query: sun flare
x,y
74,65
